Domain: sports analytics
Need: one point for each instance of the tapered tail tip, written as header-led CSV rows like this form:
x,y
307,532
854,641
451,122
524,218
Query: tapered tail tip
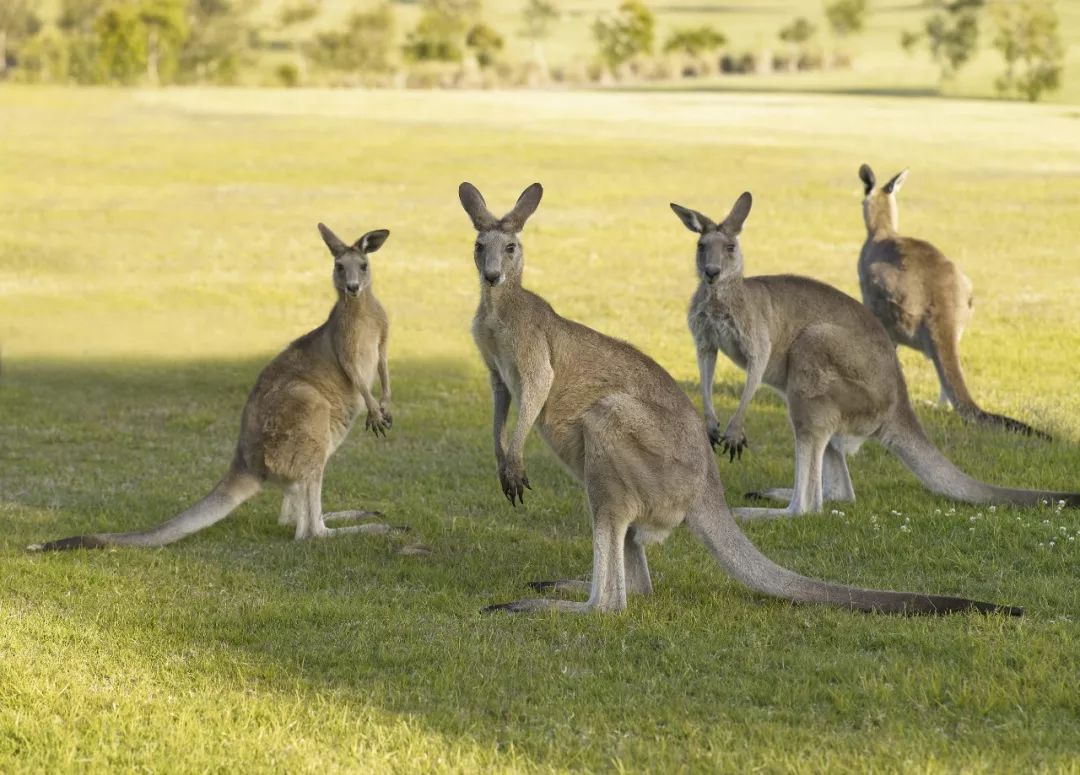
x,y
36,548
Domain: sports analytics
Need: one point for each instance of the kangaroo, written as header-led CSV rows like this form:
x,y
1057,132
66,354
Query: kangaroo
x,y
832,362
300,410
622,426
922,298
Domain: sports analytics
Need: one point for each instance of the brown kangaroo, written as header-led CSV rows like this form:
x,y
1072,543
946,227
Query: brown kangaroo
x,y
922,298
622,426
832,362
299,411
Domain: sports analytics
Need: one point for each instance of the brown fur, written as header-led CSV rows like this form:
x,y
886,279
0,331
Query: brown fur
x,y
299,411
830,359
622,426
923,299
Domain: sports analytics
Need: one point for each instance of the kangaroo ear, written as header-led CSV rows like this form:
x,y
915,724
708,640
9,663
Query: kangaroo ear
x,y
866,175
476,207
524,207
896,183
692,219
372,241
739,212
337,247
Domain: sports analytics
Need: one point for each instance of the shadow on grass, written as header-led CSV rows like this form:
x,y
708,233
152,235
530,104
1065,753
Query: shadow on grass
x,y
122,444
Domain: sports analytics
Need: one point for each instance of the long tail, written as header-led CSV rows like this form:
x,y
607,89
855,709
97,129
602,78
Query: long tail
x,y
946,357
904,436
235,488
716,526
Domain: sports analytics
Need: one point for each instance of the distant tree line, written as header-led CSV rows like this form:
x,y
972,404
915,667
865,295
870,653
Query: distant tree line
x,y
214,41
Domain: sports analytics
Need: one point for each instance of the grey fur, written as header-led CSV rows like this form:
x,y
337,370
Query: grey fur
x,y
301,408
622,426
834,365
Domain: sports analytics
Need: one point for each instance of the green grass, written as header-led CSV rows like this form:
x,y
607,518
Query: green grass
x,y
156,248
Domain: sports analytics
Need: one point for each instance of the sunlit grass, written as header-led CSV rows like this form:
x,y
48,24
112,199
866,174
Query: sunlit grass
x,y
156,248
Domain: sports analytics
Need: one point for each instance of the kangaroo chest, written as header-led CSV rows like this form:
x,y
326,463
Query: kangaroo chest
x,y
718,329
497,354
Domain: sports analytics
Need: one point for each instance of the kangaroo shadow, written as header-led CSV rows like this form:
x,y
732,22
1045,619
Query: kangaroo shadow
x,y
123,444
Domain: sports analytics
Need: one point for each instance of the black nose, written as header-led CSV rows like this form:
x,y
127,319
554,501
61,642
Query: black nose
x,y
492,275
352,287
712,271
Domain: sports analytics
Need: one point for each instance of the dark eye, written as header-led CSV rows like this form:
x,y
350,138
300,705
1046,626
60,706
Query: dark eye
x,y
510,247
730,247
339,268
479,246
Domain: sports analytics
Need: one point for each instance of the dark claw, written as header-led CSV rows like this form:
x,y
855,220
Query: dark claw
x,y
755,495
541,586
526,481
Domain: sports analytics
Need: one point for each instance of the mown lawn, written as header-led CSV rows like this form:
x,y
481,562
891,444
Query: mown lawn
x,y
157,248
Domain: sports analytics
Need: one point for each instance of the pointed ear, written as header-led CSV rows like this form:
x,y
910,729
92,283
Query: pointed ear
x,y
476,207
737,216
866,175
524,207
692,219
337,247
896,183
372,241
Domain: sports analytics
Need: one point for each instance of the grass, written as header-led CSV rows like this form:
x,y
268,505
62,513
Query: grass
x,y
156,248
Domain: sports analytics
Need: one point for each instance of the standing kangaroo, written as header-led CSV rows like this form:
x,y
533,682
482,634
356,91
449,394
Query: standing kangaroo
x,y
299,411
623,427
832,362
922,298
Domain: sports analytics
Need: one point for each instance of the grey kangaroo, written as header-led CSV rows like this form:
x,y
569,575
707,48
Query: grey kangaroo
x,y
832,362
299,411
623,427
922,298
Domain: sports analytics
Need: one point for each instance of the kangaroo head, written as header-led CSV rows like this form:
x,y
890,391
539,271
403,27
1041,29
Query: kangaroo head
x,y
719,256
498,254
879,207
351,271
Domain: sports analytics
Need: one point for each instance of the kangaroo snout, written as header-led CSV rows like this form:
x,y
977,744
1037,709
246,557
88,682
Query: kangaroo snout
x,y
353,287
711,272
493,276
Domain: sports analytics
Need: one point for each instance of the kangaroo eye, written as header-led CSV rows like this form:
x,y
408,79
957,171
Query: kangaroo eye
x,y
479,246
730,247
339,268
510,248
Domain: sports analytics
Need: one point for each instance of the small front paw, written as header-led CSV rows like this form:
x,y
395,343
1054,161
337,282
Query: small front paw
x,y
732,443
377,422
384,407
514,482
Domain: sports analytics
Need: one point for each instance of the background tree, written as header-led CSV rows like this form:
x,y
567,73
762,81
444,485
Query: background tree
x,y
78,23
218,40
846,17
694,42
121,43
951,34
164,22
1028,38
17,23
439,34
539,17
485,43
625,34
798,32
366,44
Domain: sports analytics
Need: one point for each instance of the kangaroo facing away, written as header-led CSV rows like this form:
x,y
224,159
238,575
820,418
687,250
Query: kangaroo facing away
x,y
922,298
300,410
622,426
831,361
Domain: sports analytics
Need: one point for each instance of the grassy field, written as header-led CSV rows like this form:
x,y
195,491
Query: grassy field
x,y
156,248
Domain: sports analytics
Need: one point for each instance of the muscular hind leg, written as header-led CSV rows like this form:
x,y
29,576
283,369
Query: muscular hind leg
x,y
638,581
807,495
311,522
835,479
